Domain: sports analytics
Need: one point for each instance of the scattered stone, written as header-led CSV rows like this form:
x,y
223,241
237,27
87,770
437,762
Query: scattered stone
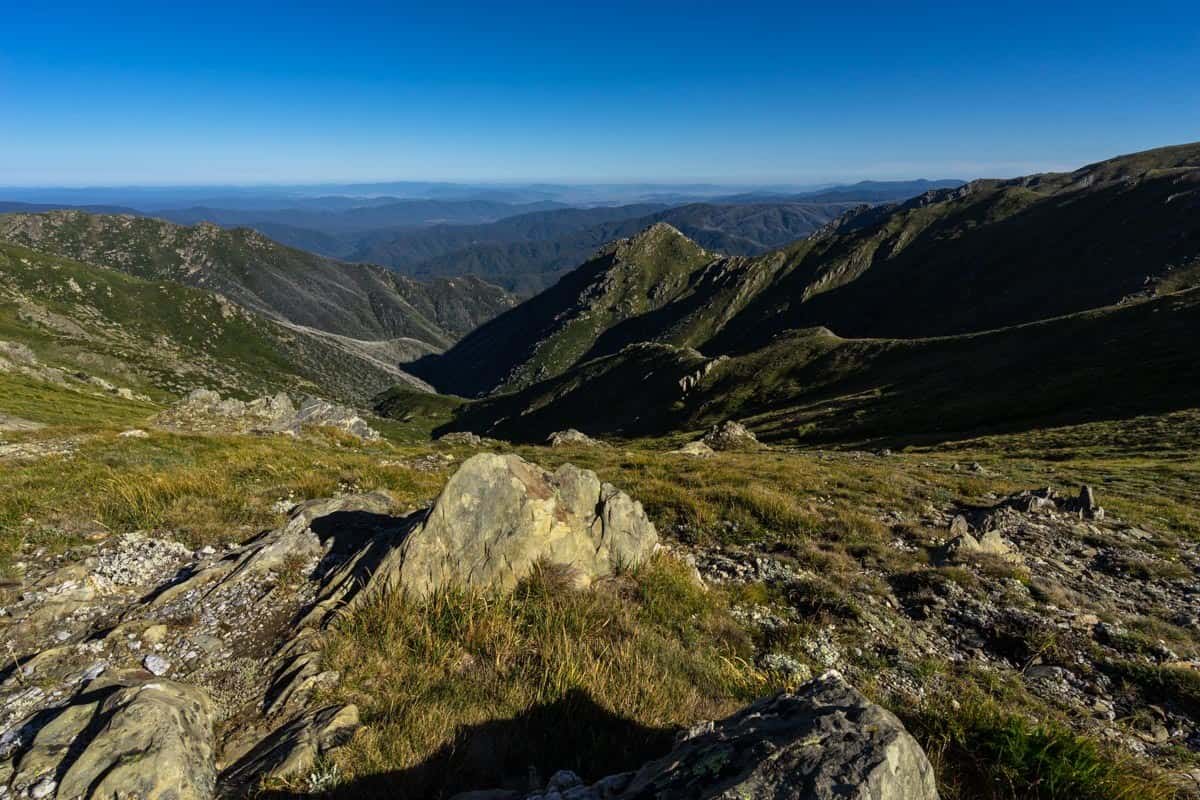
x,y
572,438
156,665
13,424
786,665
731,435
204,410
461,438
431,462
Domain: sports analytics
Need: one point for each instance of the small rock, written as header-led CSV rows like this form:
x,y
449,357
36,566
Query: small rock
x,y
571,438
134,433
153,635
462,438
43,788
695,450
786,665
156,665
730,435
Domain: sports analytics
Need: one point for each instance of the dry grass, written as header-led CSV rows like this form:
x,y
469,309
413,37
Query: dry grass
x,y
464,687
595,680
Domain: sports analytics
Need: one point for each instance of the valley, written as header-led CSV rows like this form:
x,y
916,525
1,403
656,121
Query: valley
x,y
898,482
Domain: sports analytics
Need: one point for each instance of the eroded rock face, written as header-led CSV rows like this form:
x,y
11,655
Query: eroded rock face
x,y
730,435
205,410
146,739
500,514
145,637
825,742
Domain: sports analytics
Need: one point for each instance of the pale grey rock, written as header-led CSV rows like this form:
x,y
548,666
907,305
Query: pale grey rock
x,y
17,424
731,435
499,515
990,543
572,438
205,411
148,740
156,664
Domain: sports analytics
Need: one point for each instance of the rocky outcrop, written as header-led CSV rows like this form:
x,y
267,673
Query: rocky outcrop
x,y
730,435
152,639
151,643
294,748
204,410
128,738
499,515
572,438
826,742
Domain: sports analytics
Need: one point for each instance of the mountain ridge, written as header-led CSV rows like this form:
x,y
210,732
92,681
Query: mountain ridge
x,y
358,301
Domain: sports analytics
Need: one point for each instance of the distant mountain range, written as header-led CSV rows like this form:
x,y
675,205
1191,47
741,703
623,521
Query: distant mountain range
x,y
997,304
521,238
1067,295
528,253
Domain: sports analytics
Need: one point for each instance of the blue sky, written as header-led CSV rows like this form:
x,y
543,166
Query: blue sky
x,y
754,92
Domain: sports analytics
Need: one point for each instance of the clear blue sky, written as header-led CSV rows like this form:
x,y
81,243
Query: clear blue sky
x,y
752,91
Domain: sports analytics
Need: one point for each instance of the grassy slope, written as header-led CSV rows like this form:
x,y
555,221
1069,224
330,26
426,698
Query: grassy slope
x,y
988,255
812,386
610,673
578,318
354,300
162,337
992,254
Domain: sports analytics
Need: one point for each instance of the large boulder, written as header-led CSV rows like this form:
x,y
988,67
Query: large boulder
x,y
826,742
499,515
730,435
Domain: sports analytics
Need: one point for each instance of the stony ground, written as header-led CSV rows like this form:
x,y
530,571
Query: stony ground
x,y
948,583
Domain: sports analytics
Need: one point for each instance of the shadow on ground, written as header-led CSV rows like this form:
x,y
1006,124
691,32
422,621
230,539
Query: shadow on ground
x,y
520,753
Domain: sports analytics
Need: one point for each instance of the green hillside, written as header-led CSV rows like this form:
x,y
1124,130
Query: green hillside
x,y
984,256
812,387
359,301
160,337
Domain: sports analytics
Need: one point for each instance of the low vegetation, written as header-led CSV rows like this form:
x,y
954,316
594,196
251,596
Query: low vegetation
x,y
595,680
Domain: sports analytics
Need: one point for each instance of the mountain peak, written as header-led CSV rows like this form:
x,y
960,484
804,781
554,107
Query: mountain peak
x,y
658,246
